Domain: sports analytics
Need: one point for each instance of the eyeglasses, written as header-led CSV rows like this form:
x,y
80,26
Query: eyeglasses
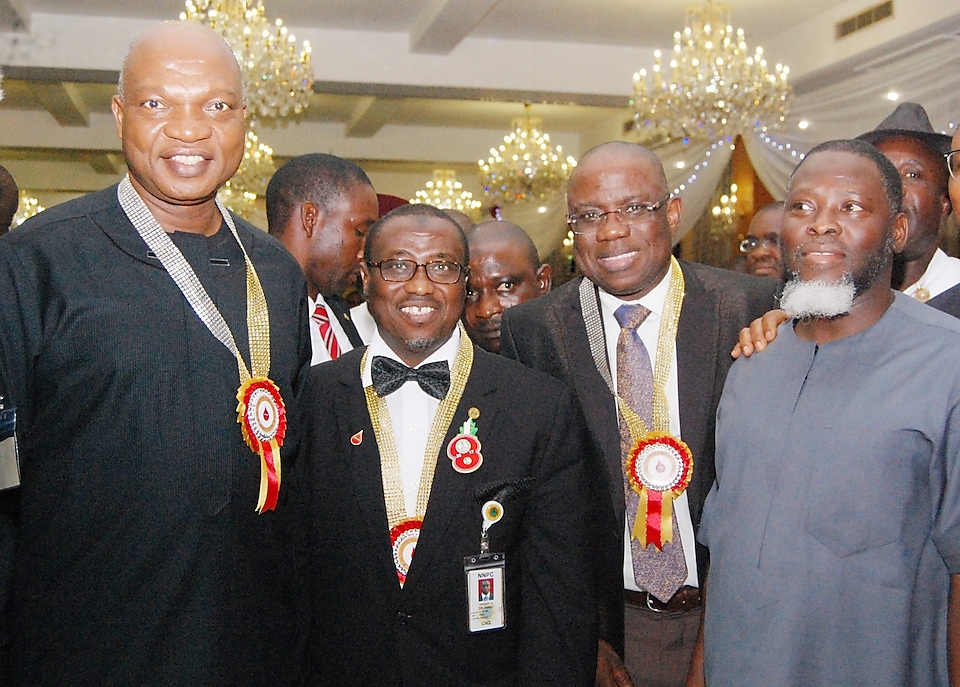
x,y
751,243
438,271
591,220
953,163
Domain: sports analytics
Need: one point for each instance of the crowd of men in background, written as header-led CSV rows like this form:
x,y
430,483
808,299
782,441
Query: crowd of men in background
x,y
227,475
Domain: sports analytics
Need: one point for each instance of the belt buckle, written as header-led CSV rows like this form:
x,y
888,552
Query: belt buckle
x,y
650,605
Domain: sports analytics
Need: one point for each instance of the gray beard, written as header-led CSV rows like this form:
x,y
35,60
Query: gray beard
x,y
818,300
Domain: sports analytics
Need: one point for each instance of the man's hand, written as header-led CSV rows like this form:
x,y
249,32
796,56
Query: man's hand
x,y
761,331
610,669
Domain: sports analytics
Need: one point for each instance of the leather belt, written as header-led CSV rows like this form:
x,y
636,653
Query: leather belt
x,y
685,599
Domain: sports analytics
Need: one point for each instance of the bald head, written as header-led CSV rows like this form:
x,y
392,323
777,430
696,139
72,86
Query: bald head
x,y
505,270
494,235
624,241
176,35
619,152
180,116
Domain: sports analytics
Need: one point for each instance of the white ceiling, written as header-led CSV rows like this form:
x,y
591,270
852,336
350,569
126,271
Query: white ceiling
x,y
604,22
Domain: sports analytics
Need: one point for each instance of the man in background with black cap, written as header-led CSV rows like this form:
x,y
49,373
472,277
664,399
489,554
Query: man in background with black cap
x,y
908,140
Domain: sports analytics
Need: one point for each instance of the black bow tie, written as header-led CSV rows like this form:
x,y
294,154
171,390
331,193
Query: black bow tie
x,y
389,375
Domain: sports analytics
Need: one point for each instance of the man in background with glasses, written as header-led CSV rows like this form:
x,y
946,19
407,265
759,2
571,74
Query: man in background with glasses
x,y
761,245
432,466
644,340
949,300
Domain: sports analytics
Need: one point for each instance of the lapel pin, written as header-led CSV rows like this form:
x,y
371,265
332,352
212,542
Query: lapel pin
x,y
357,438
464,449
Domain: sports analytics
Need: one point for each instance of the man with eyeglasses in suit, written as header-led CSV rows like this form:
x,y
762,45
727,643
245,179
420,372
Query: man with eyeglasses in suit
x,y
426,453
624,219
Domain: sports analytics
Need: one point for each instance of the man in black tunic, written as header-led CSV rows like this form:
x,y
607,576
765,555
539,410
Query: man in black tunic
x,y
153,545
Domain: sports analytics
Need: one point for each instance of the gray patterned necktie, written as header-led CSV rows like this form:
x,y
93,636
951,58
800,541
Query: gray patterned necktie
x,y
659,572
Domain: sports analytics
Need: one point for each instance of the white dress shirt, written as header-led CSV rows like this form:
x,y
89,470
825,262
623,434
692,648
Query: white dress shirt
x,y
411,414
363,322
649,332
942,273
320,352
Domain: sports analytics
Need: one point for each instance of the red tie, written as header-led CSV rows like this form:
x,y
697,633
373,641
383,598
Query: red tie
x,y
321,317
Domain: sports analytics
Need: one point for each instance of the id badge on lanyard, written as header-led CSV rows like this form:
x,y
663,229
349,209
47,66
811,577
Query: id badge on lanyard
x,y
484,572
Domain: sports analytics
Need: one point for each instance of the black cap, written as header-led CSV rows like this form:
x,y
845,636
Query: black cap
x,y
909,119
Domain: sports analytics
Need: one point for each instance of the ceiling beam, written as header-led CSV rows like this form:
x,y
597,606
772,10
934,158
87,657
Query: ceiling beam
x,y
466,93
444,23
63,101
369,116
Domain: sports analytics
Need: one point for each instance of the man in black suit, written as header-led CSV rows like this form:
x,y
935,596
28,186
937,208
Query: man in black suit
x,y
623,217
468,452
320,207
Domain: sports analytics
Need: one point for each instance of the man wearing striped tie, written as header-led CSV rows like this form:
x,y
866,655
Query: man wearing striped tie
x,y
320,207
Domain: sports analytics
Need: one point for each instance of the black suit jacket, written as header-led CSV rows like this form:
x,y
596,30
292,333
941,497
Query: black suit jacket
x,y
367,630
548,333
948,301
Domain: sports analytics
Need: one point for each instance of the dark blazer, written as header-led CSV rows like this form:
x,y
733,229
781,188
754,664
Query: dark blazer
x,y
367,630
342,310
948,301
548,333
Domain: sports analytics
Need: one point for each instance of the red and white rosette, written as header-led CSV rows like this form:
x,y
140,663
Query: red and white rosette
x,y
658,468
403,539
263,422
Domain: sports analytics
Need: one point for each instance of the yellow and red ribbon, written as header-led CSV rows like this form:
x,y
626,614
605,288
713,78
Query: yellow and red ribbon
x,y
654,521
263,422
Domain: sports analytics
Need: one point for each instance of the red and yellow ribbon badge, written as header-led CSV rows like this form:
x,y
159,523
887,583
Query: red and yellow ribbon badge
x,y
263,422
658,468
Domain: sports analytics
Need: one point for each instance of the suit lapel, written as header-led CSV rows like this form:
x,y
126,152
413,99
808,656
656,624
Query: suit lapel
x,y
363,467
597,402
698,346
697,351
342,312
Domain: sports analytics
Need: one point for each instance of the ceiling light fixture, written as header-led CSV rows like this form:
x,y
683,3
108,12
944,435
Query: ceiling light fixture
x,y
278,81
29,206
240,193
716,88
446,193
525,166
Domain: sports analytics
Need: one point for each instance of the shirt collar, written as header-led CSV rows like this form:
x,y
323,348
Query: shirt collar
x,y
654,300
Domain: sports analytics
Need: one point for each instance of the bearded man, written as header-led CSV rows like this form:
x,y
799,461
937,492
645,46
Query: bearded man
x,y
834,523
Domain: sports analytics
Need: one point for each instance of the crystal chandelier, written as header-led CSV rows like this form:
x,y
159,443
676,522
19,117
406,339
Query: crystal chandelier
x,y
725,213
716,88
446,193
29,206
525,166
278,82
240,193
